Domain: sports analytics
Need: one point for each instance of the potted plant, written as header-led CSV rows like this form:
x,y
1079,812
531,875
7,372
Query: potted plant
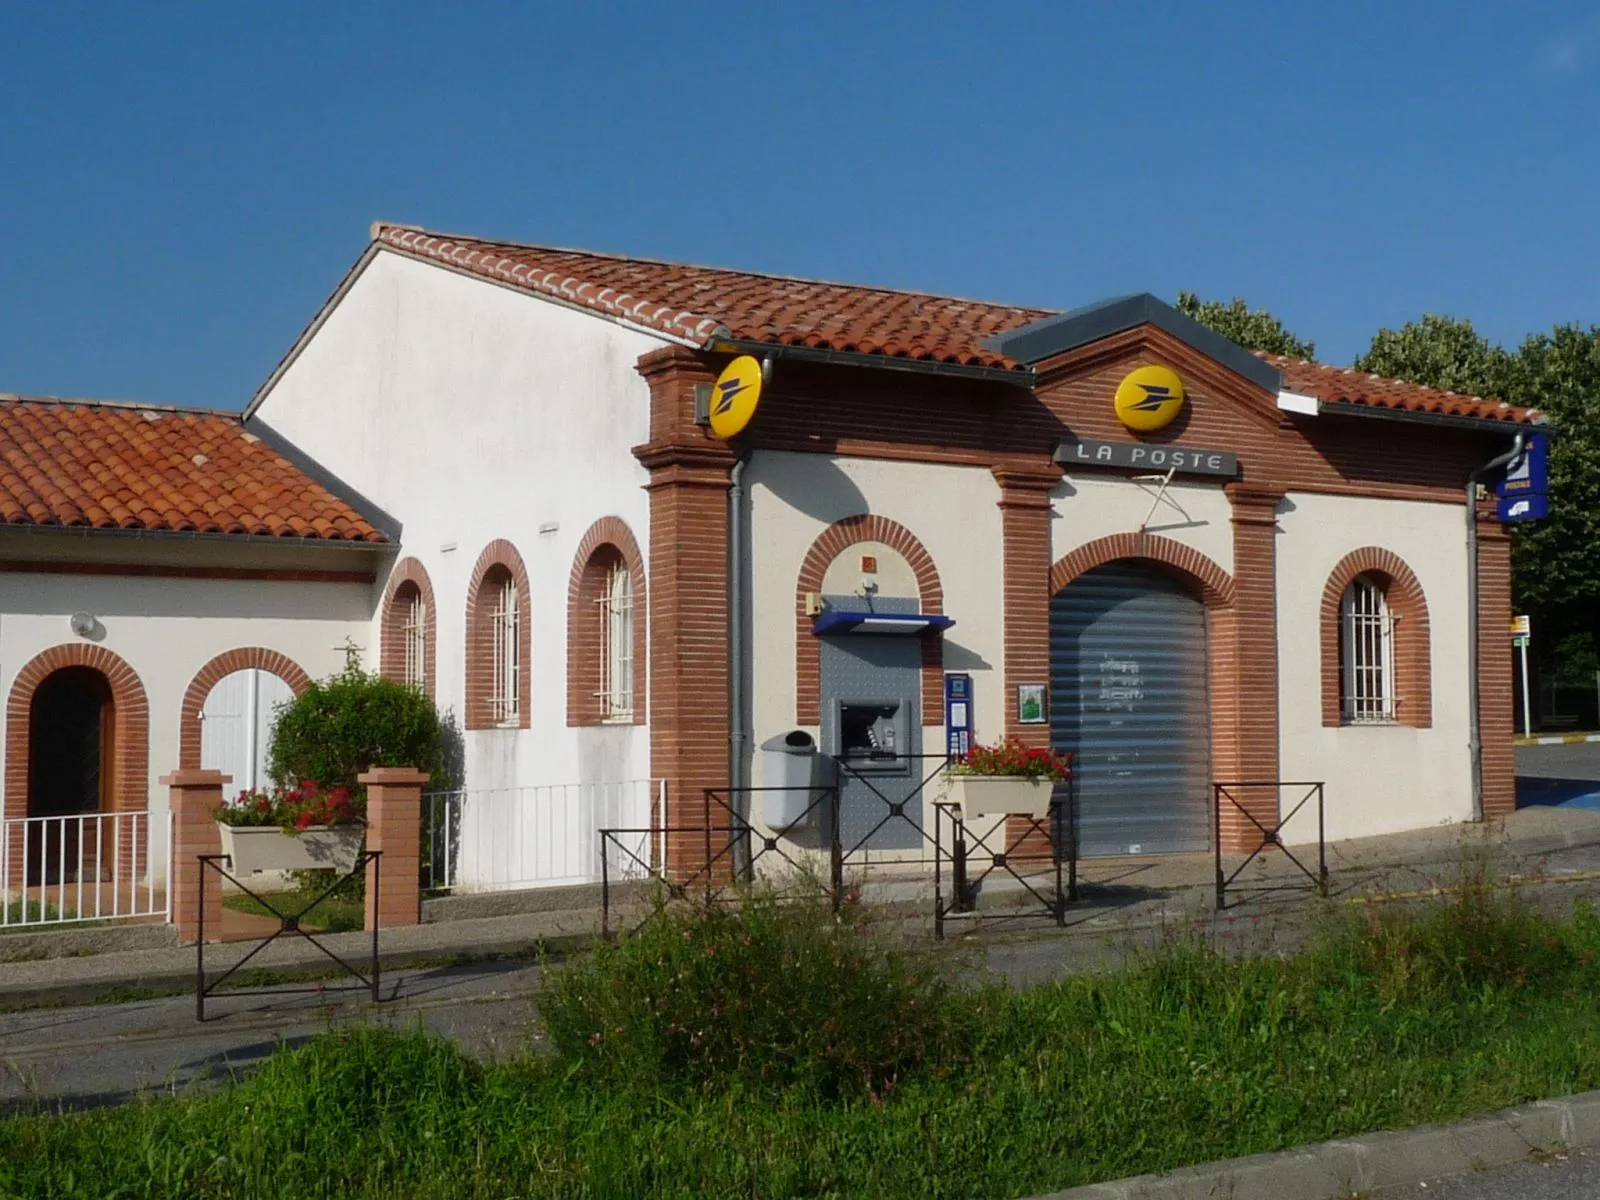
x,y
292,829
1007,779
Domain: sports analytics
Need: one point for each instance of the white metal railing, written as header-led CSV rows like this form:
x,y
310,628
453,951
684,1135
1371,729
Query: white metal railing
x,y
85,867
497,839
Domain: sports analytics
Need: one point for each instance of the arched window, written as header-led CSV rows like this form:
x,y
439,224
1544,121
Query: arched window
x,y
406,649
605,628
498,641
505,700
616,655
1366,653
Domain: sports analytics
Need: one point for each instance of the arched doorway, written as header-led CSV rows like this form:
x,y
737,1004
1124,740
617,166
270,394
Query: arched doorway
x,y
236,724
71,755
1130,702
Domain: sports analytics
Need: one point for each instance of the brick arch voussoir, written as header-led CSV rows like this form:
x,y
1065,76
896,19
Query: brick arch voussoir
x,y
130,715
498,553
828,545
214,672
391,640
583,663
1202,574
1413,636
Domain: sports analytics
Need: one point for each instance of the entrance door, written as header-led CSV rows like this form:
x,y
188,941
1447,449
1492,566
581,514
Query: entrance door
x,y
871,717
1129,700
236,726
69,744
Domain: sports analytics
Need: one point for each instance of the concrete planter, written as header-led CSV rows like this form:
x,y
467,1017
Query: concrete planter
x,y
268,848
1001,795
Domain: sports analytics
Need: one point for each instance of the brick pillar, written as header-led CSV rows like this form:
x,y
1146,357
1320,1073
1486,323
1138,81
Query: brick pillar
x,y
1250,689
1496,720
394,826
194,797
1025,534
689,620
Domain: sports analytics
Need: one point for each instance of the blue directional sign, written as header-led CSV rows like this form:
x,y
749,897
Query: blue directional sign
x,y
1523,493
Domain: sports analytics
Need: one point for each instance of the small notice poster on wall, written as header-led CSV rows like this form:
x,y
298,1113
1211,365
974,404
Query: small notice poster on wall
x,y
1030,703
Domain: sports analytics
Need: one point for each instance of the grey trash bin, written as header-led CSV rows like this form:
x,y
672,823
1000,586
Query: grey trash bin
x,y
791,764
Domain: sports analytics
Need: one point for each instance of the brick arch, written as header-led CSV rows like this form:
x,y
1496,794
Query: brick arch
x,y
1413,662
1188,565
830,543
497,555
408,574
1215,589
213,673
130,724
607,540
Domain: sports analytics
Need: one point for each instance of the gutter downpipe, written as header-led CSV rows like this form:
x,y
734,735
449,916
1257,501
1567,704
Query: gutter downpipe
x,y
738,735
1474,739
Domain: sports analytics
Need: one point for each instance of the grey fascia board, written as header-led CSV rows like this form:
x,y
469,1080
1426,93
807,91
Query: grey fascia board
x,y
1056,335
380,520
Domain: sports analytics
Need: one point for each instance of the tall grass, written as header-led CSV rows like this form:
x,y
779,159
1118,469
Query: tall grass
x,y
1385,1018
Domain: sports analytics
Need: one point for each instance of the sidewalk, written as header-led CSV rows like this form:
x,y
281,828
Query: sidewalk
x,y
1125,901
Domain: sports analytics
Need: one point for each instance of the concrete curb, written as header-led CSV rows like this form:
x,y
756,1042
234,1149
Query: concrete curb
x,y
1354,1166
1557,739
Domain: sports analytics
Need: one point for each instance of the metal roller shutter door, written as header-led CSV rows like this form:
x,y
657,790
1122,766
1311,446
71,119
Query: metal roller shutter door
x,y
1129,700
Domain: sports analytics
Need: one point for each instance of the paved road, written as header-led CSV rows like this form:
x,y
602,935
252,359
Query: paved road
x,y
1578,761
1566,1177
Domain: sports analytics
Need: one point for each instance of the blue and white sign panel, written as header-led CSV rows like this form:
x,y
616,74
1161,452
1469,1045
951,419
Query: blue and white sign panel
x,y
1523,494
958,714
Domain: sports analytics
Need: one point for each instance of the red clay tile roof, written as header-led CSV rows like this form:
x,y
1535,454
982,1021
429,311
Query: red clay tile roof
x,y
1340,385
91,465
699,304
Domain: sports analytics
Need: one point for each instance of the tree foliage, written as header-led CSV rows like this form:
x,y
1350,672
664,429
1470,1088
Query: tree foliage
x,y
1440,352
351,721
1254,329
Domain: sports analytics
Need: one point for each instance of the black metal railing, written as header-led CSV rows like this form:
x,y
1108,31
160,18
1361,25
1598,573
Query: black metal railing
x,y
1017,831
288,923
1231,795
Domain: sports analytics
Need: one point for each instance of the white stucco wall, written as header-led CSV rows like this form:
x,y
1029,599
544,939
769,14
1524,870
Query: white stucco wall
x,y
951,510
168,629
1086,506
471,412
1380,779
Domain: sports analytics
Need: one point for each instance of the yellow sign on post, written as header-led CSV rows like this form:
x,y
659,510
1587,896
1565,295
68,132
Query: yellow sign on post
x,y
734,396
1149,398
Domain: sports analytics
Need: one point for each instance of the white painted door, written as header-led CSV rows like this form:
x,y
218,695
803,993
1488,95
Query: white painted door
x,y
236,726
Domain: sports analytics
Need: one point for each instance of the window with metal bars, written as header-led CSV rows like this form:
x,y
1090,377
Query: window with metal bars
x,y
616,645
505,704
414,633
1366,637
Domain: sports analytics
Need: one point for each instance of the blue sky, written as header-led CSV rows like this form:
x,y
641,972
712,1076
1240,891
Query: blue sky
x,y
182,185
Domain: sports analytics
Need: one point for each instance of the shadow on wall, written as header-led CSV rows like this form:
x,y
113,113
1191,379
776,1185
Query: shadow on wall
x,y
822,490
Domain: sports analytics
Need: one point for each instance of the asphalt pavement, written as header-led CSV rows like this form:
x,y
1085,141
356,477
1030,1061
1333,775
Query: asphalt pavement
x,y
1574,1176
1567,775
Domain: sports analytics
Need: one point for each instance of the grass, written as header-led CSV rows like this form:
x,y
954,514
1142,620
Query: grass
x,y
341,912
703,1058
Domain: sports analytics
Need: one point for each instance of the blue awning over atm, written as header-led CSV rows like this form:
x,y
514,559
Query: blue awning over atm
x,y
880,622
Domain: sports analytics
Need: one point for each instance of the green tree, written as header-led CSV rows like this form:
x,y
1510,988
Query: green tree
x,y
1254,329
342,725
1440,352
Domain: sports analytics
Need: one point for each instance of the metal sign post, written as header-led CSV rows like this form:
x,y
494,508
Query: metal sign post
x,y
1521,632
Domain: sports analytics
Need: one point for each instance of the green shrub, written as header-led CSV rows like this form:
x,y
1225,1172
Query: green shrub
x,y
342,725
767,995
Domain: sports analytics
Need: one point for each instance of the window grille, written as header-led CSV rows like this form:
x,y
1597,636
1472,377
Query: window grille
x,y
415,631
616,645
1367,646
504,700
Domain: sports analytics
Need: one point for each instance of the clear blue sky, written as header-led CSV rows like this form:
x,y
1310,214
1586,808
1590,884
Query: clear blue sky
x,y
182,185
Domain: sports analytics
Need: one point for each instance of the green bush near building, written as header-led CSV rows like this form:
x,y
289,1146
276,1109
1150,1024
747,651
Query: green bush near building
x,y
703,1059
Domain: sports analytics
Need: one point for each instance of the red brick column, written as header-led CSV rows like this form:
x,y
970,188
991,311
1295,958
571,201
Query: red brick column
x,y
194,797
394,827
690,477
1496,727
1251,688
1025,534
